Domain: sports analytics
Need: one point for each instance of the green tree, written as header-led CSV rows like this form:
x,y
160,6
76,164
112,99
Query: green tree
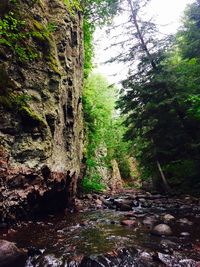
x,y
157,97
104,131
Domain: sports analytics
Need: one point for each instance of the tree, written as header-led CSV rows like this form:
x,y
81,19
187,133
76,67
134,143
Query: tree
x,y
157,104
103,130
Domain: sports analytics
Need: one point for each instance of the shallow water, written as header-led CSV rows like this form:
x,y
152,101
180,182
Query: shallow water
x,y
66,238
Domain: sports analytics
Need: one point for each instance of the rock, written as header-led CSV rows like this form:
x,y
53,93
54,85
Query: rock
x,y
135,203
83,223
10,255
129,214
142,200
185,221
123,207
89,196
162,229
129,222
168,244
116,182
98,202
48,129
145,257
146,205
168,217
149,222
108,204
185,234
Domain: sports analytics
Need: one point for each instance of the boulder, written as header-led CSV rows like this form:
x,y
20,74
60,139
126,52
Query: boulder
x,y
10,255
162,229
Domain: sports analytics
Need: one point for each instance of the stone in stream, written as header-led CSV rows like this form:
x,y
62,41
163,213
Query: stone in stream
x,y
108,204
162,229
185,234
168,244
185,221
168,217
129,223
149,222
123,207
10,255
145,257
135,203
98,202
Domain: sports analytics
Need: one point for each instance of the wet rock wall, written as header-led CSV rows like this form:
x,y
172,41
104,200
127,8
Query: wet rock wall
x,y
41,60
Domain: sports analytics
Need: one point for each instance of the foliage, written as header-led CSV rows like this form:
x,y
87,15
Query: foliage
x,y
100,12
104,132
73,5
17,35
92,184
161,102
88,30
14,35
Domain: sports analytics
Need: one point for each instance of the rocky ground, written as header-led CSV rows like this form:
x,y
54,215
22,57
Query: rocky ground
x,y
126,229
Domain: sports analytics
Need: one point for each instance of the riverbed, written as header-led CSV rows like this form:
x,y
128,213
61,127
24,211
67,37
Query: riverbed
x,y
113,231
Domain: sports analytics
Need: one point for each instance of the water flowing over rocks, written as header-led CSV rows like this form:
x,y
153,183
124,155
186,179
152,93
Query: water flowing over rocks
x,y
102,235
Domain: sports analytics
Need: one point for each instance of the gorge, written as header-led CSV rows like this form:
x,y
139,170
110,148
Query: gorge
x,y
82,184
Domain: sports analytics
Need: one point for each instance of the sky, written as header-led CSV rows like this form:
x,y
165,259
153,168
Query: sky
x,y
167,14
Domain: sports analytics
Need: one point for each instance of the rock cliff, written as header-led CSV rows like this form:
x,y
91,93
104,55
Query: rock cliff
x,y
41,59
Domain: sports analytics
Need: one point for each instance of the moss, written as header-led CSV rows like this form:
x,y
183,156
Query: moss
x,y
43,41
54,64
18,103
33,118
6,101
37,25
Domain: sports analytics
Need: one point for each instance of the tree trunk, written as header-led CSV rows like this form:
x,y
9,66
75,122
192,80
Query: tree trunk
x,y
164,180
143,44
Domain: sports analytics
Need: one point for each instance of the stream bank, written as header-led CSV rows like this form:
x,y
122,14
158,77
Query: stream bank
x,y
117,230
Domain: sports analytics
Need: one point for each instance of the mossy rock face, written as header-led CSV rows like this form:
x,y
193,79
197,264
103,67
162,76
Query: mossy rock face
x,y
31,118
41,36
15,103
53,63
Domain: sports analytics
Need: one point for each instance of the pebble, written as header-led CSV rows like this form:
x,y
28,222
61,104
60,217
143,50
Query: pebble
x,y
168,217
185,234
129,222
162,229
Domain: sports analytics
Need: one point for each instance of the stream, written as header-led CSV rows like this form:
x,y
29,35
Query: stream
x,y
116,231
